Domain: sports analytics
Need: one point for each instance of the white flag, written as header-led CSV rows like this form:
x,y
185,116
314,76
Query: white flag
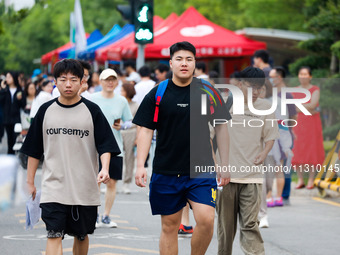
x,y
72,28
80,31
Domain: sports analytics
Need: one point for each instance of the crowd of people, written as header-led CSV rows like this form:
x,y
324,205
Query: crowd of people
x,y
122,113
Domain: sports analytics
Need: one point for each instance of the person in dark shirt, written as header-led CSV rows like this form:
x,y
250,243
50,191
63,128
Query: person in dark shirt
x,y
12,100
179,147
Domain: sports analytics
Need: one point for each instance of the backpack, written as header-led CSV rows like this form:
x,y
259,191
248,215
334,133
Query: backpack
x,y
161,90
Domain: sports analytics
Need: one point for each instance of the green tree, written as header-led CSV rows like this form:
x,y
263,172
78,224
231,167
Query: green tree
x,y
323,19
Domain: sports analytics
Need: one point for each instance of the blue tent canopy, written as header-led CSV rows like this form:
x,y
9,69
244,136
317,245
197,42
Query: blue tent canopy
x,y
89,53
94,36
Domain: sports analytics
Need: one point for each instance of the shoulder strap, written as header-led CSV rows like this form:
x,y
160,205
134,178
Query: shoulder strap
x,y
158,97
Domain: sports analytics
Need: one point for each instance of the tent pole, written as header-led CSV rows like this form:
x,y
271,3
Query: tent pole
x,y
140,56
106,64
121,64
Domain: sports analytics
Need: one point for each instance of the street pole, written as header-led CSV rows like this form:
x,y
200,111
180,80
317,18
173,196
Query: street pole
x,y
140,56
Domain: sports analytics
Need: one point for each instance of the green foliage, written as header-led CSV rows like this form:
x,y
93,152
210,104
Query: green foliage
x,y
335,48
328,145
314,62
29,33
331,131
237,14
323,18
320,44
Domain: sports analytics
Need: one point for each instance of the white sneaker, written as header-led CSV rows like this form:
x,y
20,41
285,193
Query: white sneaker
x,y
103,190
107,223
264,222
126,189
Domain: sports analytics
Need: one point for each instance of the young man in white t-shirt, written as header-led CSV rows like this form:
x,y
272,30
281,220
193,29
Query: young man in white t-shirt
x,y
70,132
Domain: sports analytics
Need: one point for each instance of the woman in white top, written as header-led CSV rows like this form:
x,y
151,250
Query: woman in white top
x,y
44,96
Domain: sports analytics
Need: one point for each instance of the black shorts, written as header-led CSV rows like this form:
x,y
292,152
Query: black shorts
x,y
115,168
74,220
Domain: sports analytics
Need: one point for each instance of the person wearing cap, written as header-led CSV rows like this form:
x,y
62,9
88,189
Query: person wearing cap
x,y
36,75
116,109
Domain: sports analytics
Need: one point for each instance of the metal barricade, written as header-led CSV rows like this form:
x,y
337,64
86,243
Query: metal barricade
x,y
329,176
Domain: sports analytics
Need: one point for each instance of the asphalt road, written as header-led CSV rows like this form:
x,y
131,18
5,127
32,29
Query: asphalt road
x,y
310,225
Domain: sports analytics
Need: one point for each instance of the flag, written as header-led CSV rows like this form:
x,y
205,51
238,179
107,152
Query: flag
x,y
72,28
80,37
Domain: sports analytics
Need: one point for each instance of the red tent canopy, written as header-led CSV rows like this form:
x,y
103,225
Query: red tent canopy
x,y
113,51
209,39
53,55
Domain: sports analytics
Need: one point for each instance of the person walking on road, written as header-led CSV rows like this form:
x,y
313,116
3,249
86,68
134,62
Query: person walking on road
x,y
116,109
70,132
129,137
242,196
171,185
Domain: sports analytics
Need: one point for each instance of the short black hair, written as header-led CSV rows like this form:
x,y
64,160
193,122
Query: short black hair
x,y
68,66
144,71
182,46
201,66
213,74
307,68
255,76
235,75
86,65
44,84
130,63
280,71
262,54
117,70
163,68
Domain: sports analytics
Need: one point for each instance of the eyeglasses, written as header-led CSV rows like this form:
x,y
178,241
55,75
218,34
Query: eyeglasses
x,y
257,89
86,77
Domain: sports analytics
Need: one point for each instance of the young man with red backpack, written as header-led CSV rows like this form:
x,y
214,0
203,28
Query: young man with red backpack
x,y
169,108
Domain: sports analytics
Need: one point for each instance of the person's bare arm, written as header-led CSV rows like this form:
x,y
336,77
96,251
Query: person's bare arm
x,y
313,102
143,146
262,156
222,138
103,176
32,166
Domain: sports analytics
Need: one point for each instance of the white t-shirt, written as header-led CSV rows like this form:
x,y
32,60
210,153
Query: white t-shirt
x,y
118,89
142,88
38,101
134,76
12,90
203,76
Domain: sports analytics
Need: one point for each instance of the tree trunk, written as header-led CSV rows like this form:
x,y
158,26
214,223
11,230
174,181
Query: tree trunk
x,y
333,64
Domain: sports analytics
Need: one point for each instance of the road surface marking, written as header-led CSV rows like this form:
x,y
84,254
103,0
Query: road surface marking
x,y
130,228
92,246
326,201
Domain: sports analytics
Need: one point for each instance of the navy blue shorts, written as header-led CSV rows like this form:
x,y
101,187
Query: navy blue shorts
x,y
169,194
